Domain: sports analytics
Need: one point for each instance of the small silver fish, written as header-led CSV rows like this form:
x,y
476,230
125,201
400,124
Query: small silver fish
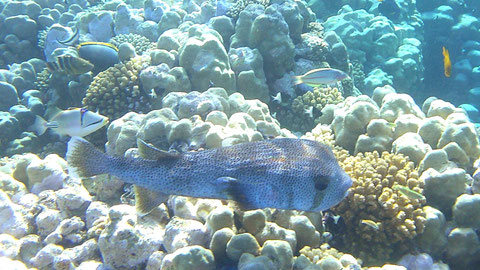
x,y
281,173
320,76
72,122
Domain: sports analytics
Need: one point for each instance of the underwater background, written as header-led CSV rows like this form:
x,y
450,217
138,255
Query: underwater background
x,y
202,74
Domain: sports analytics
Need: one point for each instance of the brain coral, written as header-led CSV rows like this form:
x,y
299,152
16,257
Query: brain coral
x,y
117,91
380,220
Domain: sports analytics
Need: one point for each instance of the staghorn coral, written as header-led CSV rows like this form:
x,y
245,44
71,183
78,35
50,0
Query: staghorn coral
x,y
117,91
372,199
240,5
140,43
306,108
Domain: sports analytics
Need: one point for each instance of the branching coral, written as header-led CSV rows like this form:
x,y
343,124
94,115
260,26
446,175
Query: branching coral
x,y
307,108
358,74
317,99
380,219
313,47
140,43
316,28
321,133
41,36
117,91
240,5
43,79
316,254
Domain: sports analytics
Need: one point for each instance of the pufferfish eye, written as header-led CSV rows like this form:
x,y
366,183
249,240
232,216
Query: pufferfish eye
x,y
321,182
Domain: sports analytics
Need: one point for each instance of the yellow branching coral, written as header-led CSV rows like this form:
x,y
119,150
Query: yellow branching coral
x,y
321,133
378,217
318,98
316,254
117,91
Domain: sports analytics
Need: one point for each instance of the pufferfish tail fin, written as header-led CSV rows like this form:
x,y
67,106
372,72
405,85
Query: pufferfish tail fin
x,y
84,160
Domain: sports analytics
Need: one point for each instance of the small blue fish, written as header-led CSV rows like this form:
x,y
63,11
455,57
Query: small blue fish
x,y
280,173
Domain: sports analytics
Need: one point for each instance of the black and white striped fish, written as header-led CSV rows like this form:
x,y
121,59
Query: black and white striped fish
x,y
70,64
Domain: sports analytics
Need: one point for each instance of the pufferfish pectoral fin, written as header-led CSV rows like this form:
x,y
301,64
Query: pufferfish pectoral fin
x,y
234,190
146,200
148,151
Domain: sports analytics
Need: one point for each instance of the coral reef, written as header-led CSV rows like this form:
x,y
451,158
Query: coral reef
x,y
117,91
205,60
140,43
239,6
202,74
380,219
327,255
306,109
398,51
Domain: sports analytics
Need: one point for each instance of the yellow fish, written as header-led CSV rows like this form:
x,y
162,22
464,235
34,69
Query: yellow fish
x,y
447,64
370,223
